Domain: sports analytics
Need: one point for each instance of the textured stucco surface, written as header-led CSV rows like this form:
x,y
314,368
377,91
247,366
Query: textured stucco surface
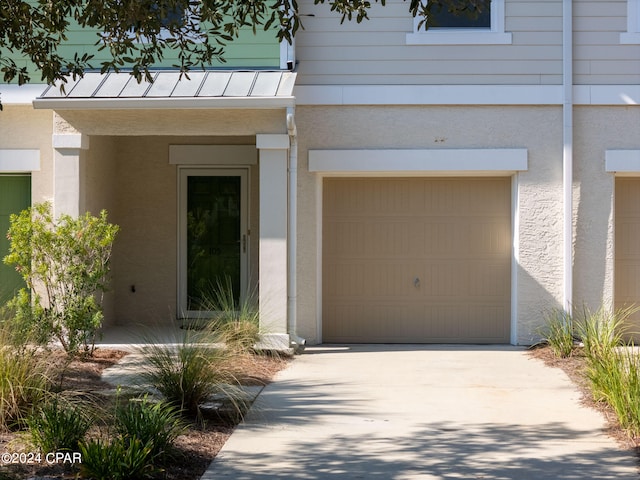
x,y
539,129
597,129
176,122
24,127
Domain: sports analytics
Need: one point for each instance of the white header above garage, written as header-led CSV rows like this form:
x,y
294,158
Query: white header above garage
x,y
502,161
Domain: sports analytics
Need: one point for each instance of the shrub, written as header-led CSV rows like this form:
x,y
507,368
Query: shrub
x,y
558,332
58,425
65,264
118,459
155,424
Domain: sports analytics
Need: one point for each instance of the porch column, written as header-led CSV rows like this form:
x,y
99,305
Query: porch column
x,y
274,151
68,184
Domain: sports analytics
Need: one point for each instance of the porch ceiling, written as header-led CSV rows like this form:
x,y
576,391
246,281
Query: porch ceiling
x,y
203,90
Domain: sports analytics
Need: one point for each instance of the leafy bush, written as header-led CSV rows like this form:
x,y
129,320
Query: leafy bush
x,y
65,264
118,459
155,424
558,332
58,425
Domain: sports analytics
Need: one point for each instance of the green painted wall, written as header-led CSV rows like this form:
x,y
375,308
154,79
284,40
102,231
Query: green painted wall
x,y
15,196
249,50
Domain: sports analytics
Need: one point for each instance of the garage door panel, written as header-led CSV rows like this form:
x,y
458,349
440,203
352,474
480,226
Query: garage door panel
x,y
627,250
416,260
372,278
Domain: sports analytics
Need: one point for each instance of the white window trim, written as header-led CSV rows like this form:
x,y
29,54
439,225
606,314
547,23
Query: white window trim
x,y
465,36
632,35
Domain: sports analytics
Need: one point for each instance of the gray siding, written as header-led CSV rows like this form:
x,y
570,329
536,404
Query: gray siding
x,y
376,52
599,58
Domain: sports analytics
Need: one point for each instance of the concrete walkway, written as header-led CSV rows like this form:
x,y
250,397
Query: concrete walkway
x,y
427,412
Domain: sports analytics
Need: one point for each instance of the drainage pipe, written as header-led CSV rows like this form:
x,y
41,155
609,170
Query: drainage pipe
x,y
567,156
297,343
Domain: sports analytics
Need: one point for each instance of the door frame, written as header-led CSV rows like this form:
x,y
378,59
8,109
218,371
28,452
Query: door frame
x,y
183,174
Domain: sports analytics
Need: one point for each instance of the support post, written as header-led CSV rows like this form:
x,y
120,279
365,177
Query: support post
x,y
274,152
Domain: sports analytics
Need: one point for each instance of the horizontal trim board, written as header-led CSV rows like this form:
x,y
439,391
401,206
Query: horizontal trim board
x,y
622,161
464,94
19,160
451,161
163,103
20,94
607,94
353,95
230,155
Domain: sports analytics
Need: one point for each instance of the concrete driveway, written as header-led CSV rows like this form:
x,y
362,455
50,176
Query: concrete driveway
x,y
428,412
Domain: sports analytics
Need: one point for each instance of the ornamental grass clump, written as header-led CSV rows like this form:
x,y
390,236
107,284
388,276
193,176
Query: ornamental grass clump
x,y
24,381
612,366
191,371
236,321
154,424
59,424
559,333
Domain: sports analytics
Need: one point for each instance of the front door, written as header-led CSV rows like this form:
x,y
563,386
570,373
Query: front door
x,y
213,236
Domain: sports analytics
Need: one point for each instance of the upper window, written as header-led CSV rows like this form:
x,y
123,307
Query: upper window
x,y
632,35
445,19
448,29
169,17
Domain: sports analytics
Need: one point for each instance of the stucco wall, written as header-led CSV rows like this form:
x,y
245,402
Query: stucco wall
x,y
597,129
539,129
24,127
145,206
99,176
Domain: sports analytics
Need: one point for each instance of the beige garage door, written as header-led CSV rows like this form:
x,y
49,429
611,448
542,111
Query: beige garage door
x,y
627,249
416,260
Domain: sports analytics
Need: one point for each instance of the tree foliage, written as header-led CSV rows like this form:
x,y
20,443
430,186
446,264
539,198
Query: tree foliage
x,y
136,34
65,265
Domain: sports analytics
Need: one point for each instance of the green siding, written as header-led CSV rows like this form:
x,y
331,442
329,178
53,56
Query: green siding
x,y
249,50
15,196
261,50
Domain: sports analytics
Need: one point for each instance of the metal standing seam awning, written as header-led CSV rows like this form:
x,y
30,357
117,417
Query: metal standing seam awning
x,y
203,89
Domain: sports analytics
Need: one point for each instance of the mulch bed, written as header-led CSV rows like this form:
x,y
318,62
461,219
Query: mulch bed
x,y
574,367
195,450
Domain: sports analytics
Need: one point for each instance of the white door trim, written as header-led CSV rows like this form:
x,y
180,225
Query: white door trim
x,y
183,174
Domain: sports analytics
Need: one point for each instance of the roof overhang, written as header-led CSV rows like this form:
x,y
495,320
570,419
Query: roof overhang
x,y
170,90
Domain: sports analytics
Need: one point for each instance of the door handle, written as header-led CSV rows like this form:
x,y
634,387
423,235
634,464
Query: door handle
x,y
416,282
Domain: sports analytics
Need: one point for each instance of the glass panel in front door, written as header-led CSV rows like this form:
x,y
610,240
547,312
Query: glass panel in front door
x,y
213,237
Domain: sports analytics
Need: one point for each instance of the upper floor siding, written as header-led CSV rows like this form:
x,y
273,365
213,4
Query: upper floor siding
x,y
249,50
527,49
602,54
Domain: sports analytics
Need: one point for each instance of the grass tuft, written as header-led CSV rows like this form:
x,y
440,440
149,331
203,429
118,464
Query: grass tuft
x,y
559,333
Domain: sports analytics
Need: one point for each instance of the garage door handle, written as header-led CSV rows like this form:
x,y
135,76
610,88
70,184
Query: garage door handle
x,y
416,282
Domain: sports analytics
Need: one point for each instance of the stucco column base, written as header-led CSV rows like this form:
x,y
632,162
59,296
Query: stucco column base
x,y
274,342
